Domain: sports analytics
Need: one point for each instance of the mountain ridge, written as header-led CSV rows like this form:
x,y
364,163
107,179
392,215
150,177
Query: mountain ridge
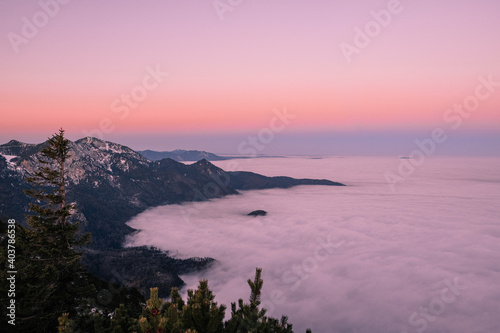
x,y
110,183
181,155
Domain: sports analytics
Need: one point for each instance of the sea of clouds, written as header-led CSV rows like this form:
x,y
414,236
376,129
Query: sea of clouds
x,y
360,258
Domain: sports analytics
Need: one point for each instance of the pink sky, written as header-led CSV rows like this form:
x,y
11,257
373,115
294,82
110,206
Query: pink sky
x,y
226,76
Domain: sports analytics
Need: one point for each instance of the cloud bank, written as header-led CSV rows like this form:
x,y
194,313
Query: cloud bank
x,y
360,258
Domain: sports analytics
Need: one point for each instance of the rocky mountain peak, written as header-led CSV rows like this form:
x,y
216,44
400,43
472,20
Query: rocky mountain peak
x,y
15,143
17,148
205,167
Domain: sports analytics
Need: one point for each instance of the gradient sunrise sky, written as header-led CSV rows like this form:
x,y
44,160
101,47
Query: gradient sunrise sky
x,y
229,66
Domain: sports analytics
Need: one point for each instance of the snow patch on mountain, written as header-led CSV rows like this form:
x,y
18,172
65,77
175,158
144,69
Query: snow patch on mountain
x,y
10,165
8,157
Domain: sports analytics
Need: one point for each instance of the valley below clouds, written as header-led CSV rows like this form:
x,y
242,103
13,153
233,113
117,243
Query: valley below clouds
x,y
359,258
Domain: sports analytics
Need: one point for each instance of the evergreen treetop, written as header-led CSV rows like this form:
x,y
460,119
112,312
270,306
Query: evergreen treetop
x,y
53,278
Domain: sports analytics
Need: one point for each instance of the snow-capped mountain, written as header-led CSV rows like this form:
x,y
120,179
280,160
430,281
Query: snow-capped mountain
x,y
110,183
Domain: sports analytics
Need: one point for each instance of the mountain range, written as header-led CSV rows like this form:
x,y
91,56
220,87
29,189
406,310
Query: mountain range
x,y
181,155
110,183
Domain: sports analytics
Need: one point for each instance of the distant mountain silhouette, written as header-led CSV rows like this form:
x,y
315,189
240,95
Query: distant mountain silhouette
x,y
180,155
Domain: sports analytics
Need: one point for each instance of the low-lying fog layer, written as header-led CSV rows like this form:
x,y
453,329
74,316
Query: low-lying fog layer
x,y
361,258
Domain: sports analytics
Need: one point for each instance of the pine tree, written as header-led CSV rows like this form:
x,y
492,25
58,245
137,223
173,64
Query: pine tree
x,y
250,318
99,323
54,280
173,311
121,321
65,324
152,320
201,312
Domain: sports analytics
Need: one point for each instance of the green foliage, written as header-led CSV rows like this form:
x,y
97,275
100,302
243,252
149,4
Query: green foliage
x,y
142,267
52,278
173,312
250,318
201,312
65,324
152,320
51,209
121,321
100,323
256,287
